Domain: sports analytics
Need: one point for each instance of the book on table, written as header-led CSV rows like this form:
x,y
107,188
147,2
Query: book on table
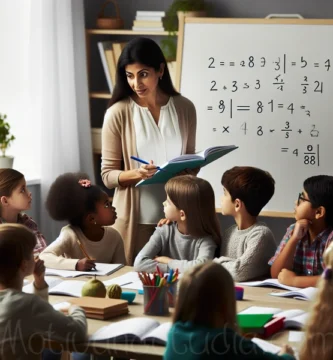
x,y
136,330
293,318
187,161
97,308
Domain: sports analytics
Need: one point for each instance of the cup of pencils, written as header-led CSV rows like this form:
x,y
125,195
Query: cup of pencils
x,y
156,291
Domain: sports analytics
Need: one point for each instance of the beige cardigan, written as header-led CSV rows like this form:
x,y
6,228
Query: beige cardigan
x,y
118,144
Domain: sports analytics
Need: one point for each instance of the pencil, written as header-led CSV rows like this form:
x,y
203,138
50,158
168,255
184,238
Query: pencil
x,y
84,251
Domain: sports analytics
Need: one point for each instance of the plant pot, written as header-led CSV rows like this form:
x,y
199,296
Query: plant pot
x,y
6,162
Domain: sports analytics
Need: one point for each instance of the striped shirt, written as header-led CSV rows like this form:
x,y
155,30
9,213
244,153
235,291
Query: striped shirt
x,y
308,258
27,221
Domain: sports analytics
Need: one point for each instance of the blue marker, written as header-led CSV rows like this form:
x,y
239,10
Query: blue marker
x,y
143,162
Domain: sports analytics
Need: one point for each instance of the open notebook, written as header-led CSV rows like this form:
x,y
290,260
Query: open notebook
x,y
308,293
294,318
136,330
101,270
268,283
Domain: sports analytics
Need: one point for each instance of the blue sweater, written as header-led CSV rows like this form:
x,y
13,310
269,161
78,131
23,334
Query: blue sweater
x,y
187,341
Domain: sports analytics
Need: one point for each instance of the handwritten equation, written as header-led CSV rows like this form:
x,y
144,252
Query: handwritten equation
x,y
231,106
310,155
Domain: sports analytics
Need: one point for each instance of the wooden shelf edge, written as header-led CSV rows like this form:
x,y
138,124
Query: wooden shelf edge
x,y
99,95
125,32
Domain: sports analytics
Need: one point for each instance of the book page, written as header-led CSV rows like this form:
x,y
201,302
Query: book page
x,y
125,279
51,282
307,293
158,335
289,314
123,331
266,346
268,282
101,270
68,287
261,310
297,321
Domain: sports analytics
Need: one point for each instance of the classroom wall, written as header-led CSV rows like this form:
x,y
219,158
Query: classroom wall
x,y
220,8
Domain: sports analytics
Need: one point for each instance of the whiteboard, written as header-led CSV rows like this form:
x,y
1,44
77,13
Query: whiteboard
x,y
266,87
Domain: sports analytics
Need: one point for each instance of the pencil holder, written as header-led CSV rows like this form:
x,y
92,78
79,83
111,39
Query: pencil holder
x,y
155,300
172,293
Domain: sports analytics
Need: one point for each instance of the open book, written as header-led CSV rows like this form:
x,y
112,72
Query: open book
x,y
101,270
187,161
308,293
268,283
294,318
136,330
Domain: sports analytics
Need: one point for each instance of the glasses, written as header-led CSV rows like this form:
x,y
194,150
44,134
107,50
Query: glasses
x,y
301,198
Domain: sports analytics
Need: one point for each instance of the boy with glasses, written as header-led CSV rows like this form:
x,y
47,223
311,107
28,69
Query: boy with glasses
x,y
298,261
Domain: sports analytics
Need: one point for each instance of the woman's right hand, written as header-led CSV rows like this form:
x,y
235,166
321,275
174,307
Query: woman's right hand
x,y
286,349
85,264
146,171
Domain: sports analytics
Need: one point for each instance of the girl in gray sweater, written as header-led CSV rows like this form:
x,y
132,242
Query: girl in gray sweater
x,y
194,234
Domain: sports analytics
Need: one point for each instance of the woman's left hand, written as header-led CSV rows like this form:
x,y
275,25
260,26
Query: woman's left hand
x,y
162,259
164,222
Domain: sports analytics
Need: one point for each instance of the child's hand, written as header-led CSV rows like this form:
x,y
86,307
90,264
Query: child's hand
x,y
286,349
287,277
39,274
85,264
162,259
164,222
301,229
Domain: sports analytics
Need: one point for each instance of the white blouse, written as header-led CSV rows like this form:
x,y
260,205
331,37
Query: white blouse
x,y
159,143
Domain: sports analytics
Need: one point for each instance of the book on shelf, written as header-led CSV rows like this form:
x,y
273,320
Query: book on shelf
x,y
101,270
187,161
308,293
268,283
111,64
136,330
102,47
293,318
96,308
117,49
148,24
150,13
149,18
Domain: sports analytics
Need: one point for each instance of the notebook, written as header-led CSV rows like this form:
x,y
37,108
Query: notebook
x,y
266,346
136,330
268,282
101,270
187,161
308,293
294,318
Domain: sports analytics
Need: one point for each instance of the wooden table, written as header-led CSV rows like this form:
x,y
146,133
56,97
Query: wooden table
x,y
252,296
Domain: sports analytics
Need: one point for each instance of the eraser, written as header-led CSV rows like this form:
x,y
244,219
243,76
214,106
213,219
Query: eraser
x,y
239,292
128,295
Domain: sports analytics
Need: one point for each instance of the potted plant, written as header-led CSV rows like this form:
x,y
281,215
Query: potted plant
x,y
194,8
5,139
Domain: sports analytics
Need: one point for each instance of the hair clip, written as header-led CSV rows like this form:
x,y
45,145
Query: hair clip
x,y
85,183
327,274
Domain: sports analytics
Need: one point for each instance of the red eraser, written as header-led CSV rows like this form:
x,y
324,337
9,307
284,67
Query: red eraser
x,y
273,326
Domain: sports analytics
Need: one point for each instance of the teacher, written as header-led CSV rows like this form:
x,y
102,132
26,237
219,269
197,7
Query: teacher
x,y
149,119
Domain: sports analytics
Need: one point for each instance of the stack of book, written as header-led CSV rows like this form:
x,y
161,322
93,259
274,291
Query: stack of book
x,y
148,21
110,52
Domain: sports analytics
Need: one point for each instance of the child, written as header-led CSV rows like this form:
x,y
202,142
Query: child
x,y
88,237
15,198
192,237
298,261
26,318
318,332
248,245
204,322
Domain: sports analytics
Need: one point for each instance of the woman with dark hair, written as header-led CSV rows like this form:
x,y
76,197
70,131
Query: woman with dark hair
x,y
149,119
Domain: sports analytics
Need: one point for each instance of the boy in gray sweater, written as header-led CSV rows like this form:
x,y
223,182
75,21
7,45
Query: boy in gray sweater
x,y
27,320
248,245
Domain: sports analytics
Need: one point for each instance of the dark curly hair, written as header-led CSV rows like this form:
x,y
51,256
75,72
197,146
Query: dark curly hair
x,y
70,201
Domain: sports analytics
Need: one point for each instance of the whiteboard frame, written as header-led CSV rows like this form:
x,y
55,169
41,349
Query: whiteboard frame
x,y
200,20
